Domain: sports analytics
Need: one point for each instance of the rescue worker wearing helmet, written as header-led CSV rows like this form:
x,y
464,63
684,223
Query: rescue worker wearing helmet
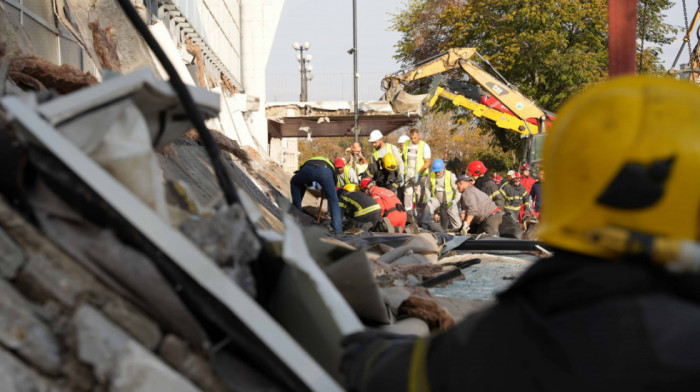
x,y
441,195
484,183
526,180
417,162
387,175
516,198
359,209
392,209
346,174
618,305
318,169
379,150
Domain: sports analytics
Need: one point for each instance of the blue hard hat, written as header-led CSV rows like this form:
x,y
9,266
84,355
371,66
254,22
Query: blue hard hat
x,y
438,165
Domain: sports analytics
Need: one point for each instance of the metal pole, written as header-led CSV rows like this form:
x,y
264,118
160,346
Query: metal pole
x,y
622,33
304,94
355,74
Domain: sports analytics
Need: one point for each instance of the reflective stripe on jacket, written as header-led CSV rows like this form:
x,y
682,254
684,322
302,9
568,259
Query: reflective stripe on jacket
x,y
515,196
354,205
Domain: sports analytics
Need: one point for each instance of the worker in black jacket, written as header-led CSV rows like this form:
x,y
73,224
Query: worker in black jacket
x,y
360,209
484,183
618,306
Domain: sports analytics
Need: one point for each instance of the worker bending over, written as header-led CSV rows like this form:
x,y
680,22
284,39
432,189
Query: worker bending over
x,y
391,206
479,213
441,195
617,308
320,170
359,209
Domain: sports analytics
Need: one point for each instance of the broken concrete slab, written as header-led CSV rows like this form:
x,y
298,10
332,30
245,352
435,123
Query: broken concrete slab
x,y
11,256
137,370
175,352
15,376
143,329
24,333
119,360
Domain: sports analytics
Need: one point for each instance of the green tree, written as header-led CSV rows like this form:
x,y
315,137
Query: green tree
x,y
548,49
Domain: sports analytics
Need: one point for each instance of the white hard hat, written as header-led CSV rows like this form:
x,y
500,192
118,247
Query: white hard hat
x,y
375,135
511,173
403,139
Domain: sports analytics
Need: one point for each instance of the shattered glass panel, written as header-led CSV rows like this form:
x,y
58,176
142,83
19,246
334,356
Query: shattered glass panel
x,y
482,281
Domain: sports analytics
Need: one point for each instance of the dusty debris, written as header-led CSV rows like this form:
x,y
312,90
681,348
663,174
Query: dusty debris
x,y
227,84
429,310
198,60
227,239
253,153
64,78
224,143
105,45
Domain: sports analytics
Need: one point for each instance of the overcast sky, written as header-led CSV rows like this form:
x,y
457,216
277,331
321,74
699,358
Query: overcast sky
x,y
327,26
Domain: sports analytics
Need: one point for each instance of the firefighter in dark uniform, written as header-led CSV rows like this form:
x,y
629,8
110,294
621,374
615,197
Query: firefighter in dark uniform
x,y
515,194
484,183
618,305
360,209
385,173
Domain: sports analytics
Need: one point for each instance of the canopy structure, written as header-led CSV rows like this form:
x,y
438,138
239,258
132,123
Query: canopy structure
x,y
333,119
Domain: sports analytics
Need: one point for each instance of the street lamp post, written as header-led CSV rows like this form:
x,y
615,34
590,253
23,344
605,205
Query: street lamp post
x,y
304,69
355,74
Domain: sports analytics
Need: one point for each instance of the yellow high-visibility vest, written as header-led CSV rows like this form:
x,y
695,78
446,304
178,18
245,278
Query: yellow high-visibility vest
x,y
419,159
448,185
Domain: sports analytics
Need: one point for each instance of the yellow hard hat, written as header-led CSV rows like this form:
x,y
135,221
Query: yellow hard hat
x,y
623,155
351,187
390,162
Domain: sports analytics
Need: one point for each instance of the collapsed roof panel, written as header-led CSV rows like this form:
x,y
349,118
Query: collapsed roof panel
x,y
333,119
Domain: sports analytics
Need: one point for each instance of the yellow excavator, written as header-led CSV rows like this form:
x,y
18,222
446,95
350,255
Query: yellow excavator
x,y
691,71
486,96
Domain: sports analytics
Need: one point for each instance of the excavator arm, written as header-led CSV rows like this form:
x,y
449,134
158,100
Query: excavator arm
x,y
454,58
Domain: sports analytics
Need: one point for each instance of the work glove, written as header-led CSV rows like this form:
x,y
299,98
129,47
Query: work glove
x,y
464,230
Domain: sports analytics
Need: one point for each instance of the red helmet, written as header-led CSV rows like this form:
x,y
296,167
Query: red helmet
x,y
339,163
517,176
497,179
525,166
476,168
366,182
